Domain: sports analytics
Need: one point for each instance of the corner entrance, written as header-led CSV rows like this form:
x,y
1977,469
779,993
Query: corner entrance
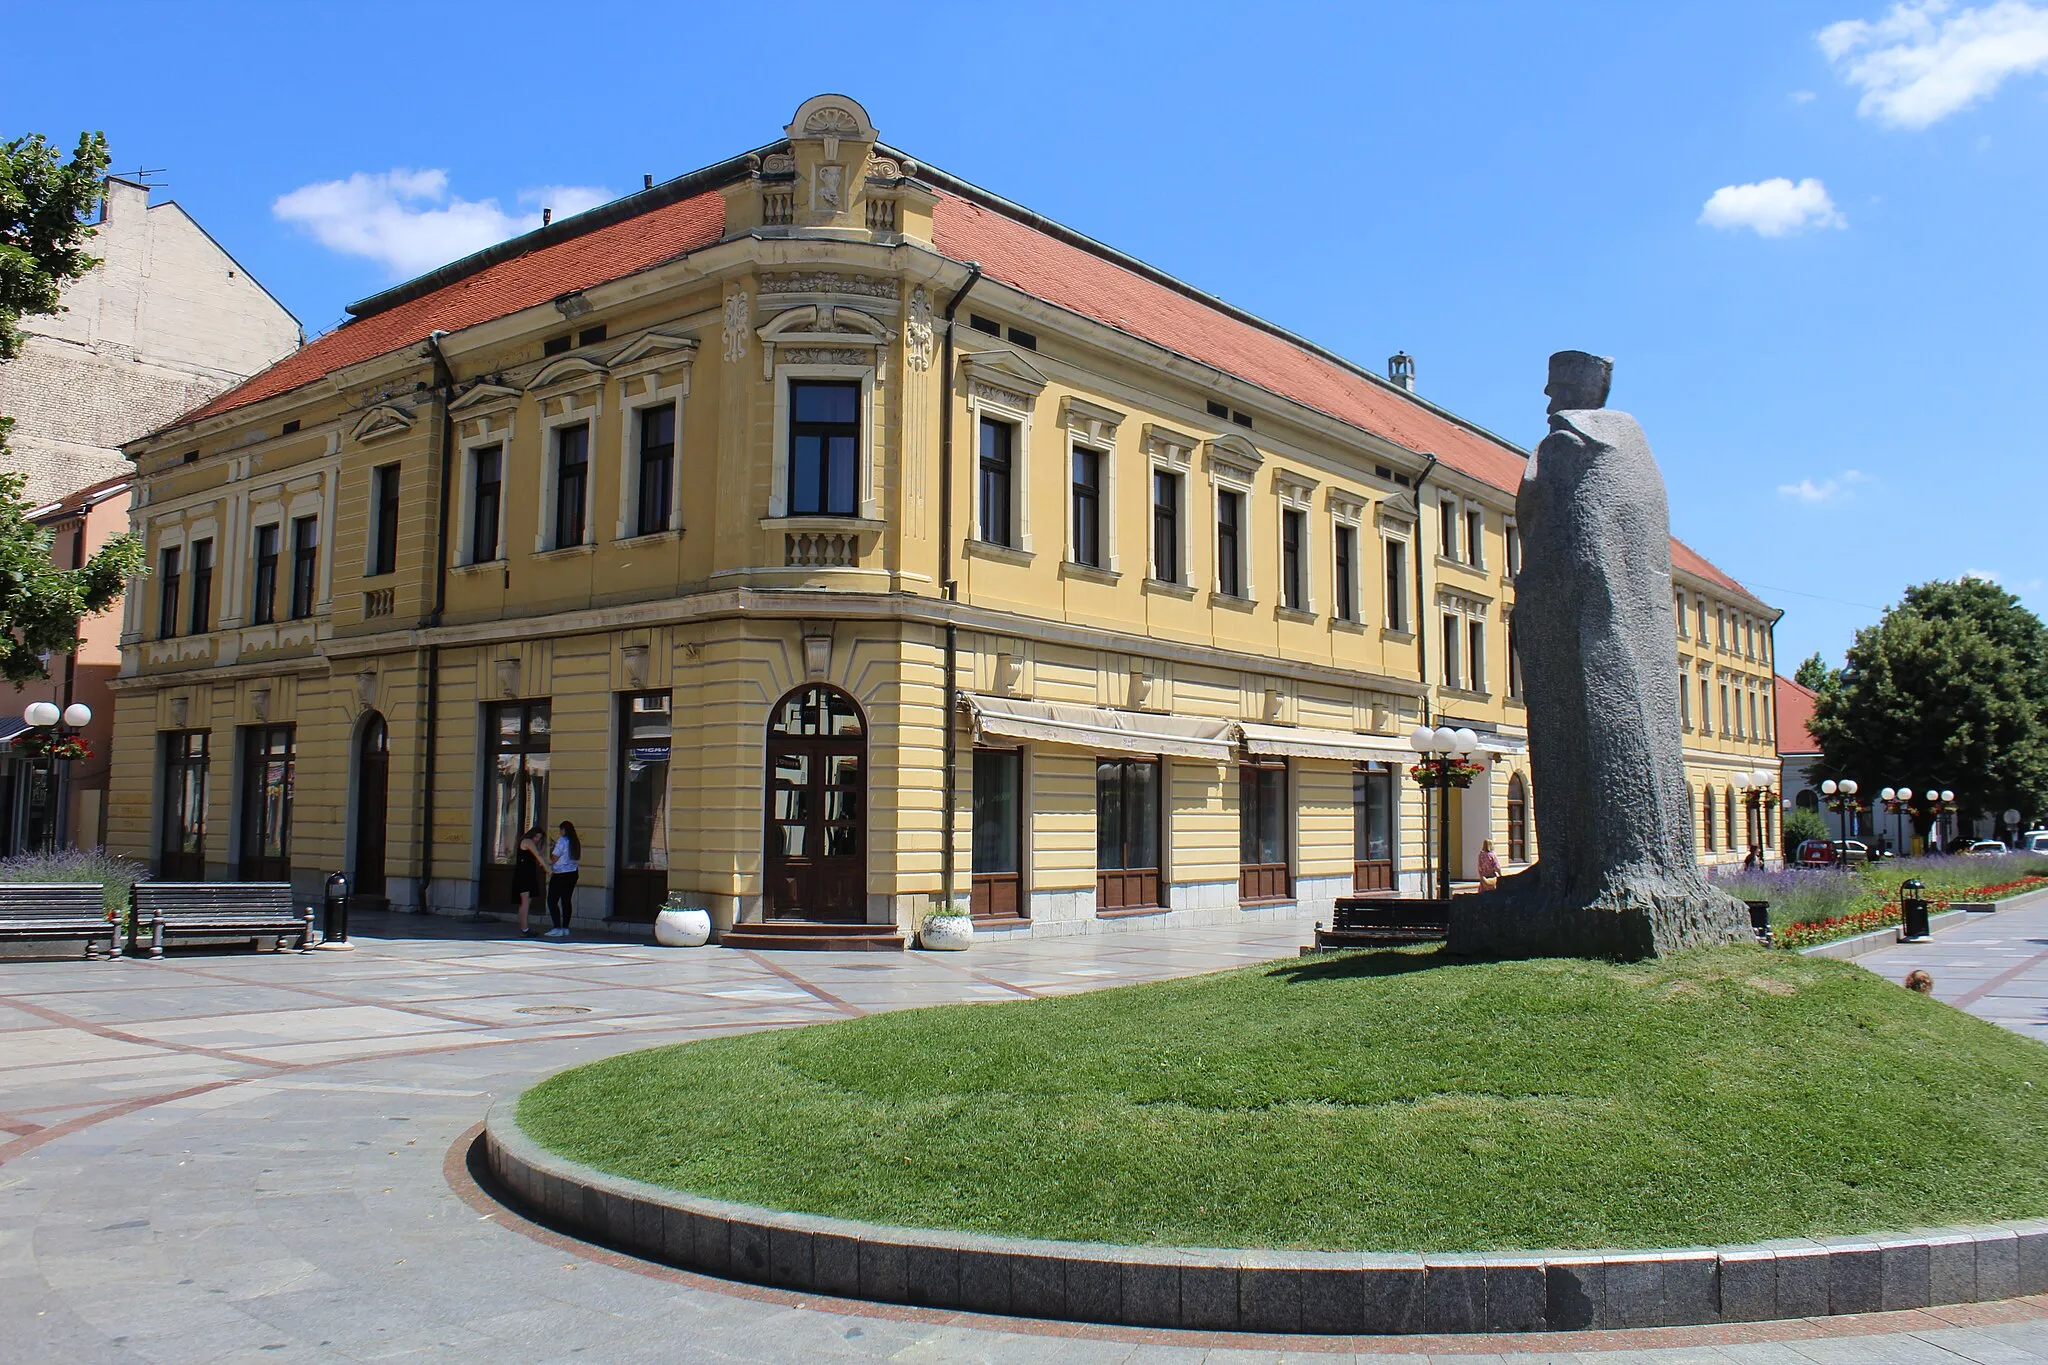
x,y
816,836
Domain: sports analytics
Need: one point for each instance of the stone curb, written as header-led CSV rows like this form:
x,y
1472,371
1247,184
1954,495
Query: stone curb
x,y
1325,1292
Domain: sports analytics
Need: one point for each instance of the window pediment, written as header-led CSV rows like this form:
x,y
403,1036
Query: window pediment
x,y
481,400
822,328
1003,377
1233,455
662,357
1166,446
1346,505
567,374
1090,422
384,420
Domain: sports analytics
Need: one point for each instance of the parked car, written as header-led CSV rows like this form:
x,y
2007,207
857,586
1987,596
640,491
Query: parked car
x,y
1826,852
1987,848
2035,841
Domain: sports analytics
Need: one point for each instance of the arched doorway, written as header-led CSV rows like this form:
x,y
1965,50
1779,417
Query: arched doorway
x,y
373,792
817,818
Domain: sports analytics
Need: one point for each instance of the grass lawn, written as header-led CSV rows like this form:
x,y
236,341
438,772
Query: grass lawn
x,y
1369,1101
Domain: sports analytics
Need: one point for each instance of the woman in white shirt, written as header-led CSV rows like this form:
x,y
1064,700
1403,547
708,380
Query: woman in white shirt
x,y
562,880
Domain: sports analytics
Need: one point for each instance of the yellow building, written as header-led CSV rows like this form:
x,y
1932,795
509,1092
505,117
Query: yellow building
x,y
821,533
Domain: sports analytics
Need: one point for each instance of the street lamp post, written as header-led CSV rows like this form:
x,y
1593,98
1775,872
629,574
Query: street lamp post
x,y
54,737
1840,797
1443,762
1755,787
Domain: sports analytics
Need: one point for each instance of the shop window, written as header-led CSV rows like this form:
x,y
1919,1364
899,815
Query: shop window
x,y
266,800
998,833
1127,827
518,739
1262,822
640,883
1372,828
181,848
1518,820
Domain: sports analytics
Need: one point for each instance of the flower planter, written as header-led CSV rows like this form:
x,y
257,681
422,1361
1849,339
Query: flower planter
x,y
946,933
677,928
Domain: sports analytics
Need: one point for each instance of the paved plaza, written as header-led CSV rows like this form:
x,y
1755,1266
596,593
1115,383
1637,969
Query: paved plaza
x,y
231,1156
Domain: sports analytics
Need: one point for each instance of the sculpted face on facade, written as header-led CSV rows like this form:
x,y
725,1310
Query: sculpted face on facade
x,y
706,615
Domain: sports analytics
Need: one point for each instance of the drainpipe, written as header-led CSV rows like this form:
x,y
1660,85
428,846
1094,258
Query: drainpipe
x,y
949,589
1422,675
430,656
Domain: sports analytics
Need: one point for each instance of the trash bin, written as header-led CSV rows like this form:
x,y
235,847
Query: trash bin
x,y
1913,911
334,924
1760,921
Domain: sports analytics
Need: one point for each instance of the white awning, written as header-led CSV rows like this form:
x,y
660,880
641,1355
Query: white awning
x,y
1503,744
1296,741
1099,728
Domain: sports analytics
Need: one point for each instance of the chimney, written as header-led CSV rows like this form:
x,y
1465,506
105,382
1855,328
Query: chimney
x,y
647,181
546,216
1401,369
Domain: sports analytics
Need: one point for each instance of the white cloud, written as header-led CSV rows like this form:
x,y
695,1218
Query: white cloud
x,y
1829,490
1920,62
1804,97
1772,207
407,221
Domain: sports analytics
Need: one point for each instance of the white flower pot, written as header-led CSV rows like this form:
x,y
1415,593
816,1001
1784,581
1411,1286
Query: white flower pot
x,y
947,933
683,928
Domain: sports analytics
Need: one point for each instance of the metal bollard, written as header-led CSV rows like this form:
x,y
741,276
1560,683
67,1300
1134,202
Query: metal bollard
x,y
1913,926
334,923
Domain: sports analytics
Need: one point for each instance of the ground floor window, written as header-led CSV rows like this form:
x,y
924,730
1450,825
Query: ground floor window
x,y
817,806
640,879
266,803
1518,820
519,736
1707,820
998,830
1127,808
181,853
1372,828
1262,821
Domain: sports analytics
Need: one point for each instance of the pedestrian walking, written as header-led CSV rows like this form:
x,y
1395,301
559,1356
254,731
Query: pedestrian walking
x,y
526,876
1489,867
562,884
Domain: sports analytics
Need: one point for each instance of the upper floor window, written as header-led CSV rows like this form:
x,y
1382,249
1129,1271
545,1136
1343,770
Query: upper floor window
x,y
1397,584
657,472
1511,537
1706,713
1515,660
1230,542
1678,613
384,533
1475,654
168,579
1087,510
998,474
486,484
305,559
1166,498
263,584
1447,528
824,449
572,484
1684,701
1475,537
202,586
1293,559
1345,571
1700,614
1454,672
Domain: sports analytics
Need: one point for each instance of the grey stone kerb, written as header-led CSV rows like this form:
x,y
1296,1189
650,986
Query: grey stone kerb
x,y
1265,1291
1616,876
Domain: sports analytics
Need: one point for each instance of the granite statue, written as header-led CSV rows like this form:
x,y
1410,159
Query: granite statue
x,y
1616,876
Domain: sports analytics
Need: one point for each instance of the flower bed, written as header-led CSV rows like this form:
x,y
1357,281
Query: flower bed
x,y
1811,906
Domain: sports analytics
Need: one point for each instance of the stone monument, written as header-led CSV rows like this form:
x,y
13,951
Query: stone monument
x,y
1616,876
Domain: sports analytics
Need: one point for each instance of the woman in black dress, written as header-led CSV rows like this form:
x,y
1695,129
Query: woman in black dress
x,y
526,876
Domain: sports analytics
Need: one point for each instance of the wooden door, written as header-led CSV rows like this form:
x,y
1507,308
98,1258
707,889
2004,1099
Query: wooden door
x,y
816,821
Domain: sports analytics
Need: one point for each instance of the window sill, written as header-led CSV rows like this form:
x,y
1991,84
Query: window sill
x,y
1184,591
1231,602
1397,636
815,522
1464,694
566,551
651,538
1001,554
1133,911
1073,568
1263,902
1347,625
1301,614
479,566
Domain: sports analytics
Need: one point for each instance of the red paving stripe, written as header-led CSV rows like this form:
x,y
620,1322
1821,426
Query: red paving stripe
x,y
117,1036
2004,978
793,979
456,1169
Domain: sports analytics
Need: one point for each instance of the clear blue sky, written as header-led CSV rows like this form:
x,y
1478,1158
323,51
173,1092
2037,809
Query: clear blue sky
x,y
1843,380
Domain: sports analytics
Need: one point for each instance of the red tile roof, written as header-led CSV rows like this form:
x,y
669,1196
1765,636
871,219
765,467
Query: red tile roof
x,y
536,276
1688,560
1072,277
1795,713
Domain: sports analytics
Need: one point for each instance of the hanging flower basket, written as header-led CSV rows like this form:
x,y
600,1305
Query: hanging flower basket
x,y
1455,772
41,743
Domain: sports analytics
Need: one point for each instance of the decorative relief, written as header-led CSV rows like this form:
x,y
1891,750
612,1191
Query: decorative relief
x,y
828,282
982,389
778,163
828,189
736,318
882,168
917,330
825,355
832,119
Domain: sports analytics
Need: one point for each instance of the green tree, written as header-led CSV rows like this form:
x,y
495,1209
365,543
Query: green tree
x,y
1799,825
1949,689
45,210
1814,674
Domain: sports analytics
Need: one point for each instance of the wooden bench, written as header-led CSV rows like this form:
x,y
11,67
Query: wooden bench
x,y
251,910
57,910
1379,921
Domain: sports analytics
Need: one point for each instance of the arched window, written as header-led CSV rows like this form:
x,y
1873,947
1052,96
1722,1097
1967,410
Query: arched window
x,y
1707,820
1806,800
817,806
1734,825
1518,820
